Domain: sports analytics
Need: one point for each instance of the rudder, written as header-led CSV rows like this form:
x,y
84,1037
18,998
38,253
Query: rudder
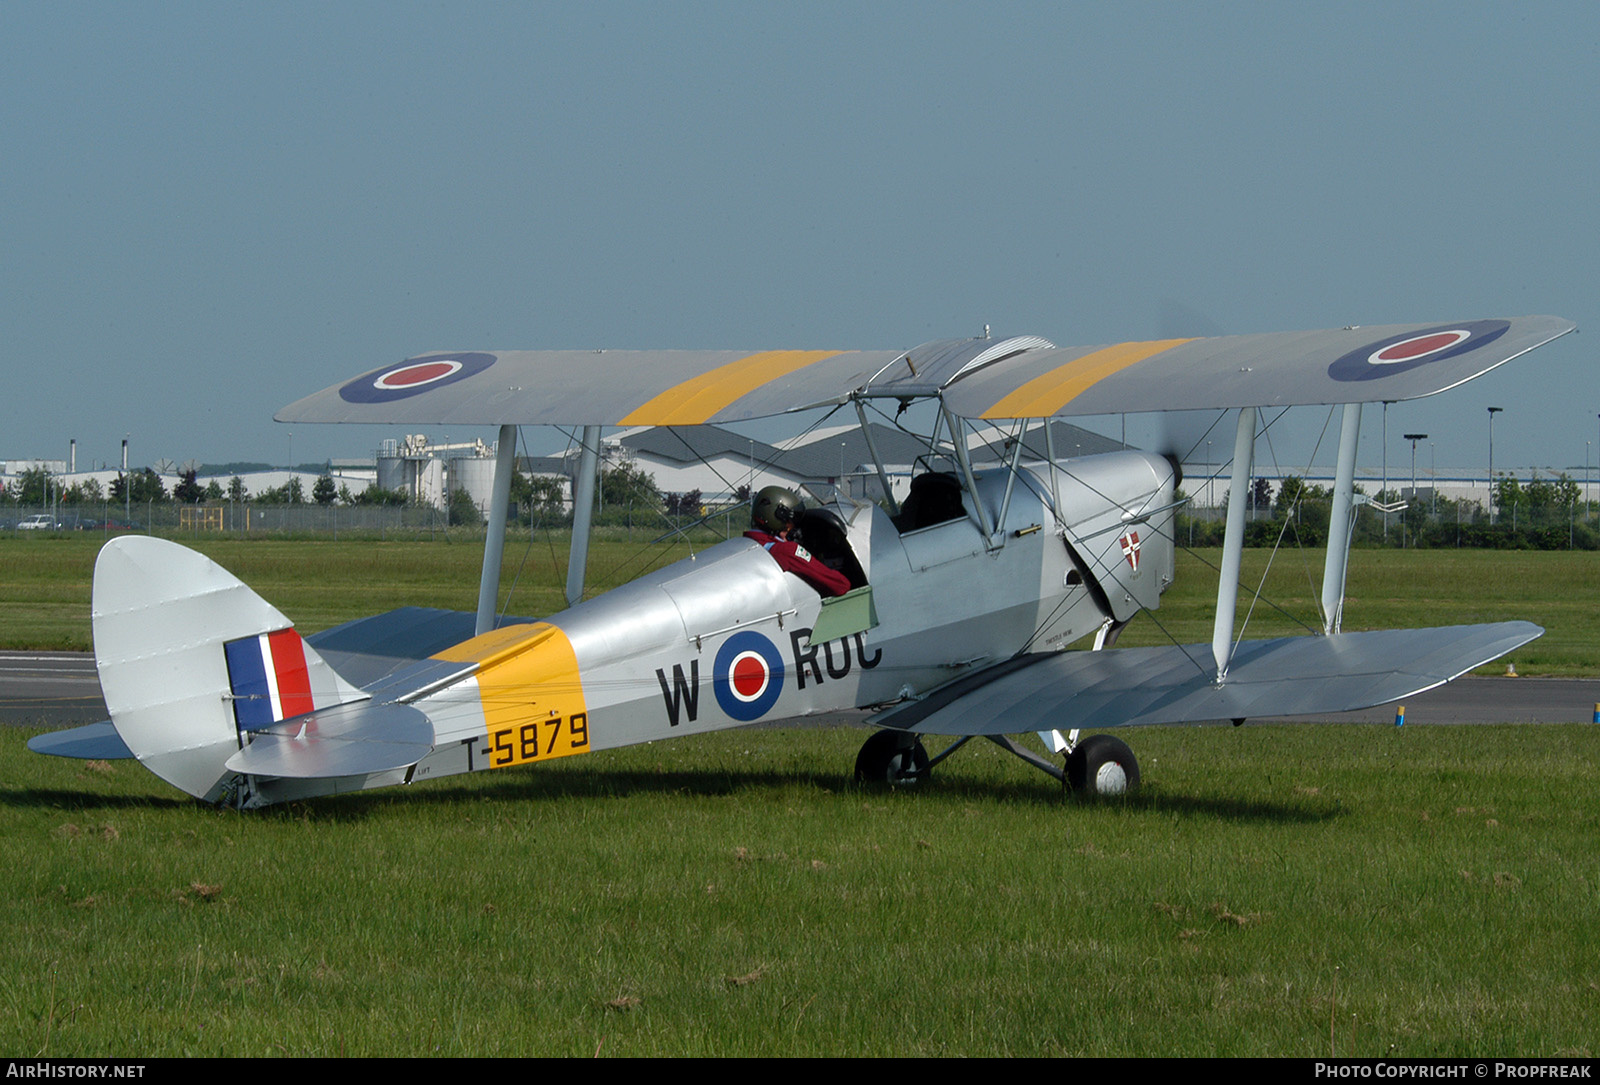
x,y
189,656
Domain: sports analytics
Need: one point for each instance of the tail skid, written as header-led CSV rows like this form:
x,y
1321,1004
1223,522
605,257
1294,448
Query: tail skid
x,y
192,661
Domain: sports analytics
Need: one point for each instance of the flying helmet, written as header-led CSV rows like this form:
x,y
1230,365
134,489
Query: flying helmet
x,y
774,509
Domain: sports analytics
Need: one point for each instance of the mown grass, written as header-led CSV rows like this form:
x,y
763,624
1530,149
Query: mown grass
x,y
45,587
45,584
1414,892
1428,891
1394,589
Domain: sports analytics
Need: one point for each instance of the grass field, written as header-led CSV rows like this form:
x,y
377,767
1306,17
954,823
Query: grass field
x,y
1422,891
1272,890
1390,589
45,585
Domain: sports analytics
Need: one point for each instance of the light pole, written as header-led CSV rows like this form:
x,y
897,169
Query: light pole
x,y
1383,487
1414,438
1492,412
1211,475
1433,473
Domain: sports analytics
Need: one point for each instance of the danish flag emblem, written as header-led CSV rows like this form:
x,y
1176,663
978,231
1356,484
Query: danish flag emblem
x,y
1130,549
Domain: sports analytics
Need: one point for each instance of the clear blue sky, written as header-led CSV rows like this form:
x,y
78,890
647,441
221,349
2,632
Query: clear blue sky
x,y
208,210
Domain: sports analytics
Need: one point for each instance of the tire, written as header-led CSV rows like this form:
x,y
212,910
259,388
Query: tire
x,y
893,759
1102,765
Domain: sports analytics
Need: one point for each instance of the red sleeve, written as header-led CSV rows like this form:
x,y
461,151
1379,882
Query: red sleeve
x,y
794,558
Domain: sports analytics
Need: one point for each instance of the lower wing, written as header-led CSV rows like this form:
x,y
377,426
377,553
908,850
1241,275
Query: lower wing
x,y
1289,676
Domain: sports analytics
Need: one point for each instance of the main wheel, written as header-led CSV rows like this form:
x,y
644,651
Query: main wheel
x,y
894,758
1102,765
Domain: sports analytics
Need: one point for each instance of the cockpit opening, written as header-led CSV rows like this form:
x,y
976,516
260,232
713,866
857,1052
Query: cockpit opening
x,y
822,531
935,498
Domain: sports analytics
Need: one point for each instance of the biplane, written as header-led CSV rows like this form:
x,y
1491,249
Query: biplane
x,y
963,596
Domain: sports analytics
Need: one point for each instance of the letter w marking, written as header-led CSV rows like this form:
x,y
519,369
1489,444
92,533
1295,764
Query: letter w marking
x,y
681,694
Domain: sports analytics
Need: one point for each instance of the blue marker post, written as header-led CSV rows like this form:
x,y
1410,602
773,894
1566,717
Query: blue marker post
x,y
1597,712
1400,714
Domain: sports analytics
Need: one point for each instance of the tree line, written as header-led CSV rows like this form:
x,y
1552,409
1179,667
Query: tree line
x,y
1536,514
624,489
1539,513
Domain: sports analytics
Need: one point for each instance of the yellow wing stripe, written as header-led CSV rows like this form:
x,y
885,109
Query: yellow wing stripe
x,y
1047,393
696,400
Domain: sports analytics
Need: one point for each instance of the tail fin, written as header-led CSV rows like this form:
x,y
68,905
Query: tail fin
x,y
190,657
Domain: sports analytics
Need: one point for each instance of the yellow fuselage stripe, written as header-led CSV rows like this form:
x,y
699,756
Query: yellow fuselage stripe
x,y
490,648
1047,393
532,694
696,400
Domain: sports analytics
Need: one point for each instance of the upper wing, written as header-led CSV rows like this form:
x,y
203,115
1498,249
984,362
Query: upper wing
x,y
1345,365
592,387
1290,676
1021,377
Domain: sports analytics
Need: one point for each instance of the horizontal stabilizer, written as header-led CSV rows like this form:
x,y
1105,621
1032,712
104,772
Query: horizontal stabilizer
x,y
346,740
91,742
369,649
1290,676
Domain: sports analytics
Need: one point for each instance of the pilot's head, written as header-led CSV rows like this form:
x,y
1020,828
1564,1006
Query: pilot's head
x,y
774,510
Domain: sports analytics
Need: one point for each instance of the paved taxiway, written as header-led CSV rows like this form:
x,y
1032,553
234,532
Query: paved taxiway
x,y
61,689
49,689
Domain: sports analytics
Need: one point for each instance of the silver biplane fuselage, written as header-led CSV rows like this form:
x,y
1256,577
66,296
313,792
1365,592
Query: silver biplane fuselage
x,y
724,638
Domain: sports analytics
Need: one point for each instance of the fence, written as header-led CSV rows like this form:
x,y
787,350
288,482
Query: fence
x,y
230,518
1424,523
250,520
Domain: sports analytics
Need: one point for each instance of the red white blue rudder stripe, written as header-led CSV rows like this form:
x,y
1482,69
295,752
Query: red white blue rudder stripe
x,y
268,676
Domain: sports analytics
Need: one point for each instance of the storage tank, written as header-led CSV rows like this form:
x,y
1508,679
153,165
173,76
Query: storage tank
x,y
474,474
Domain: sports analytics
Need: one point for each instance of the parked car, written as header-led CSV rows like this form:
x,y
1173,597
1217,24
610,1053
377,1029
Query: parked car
x,y
39,521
